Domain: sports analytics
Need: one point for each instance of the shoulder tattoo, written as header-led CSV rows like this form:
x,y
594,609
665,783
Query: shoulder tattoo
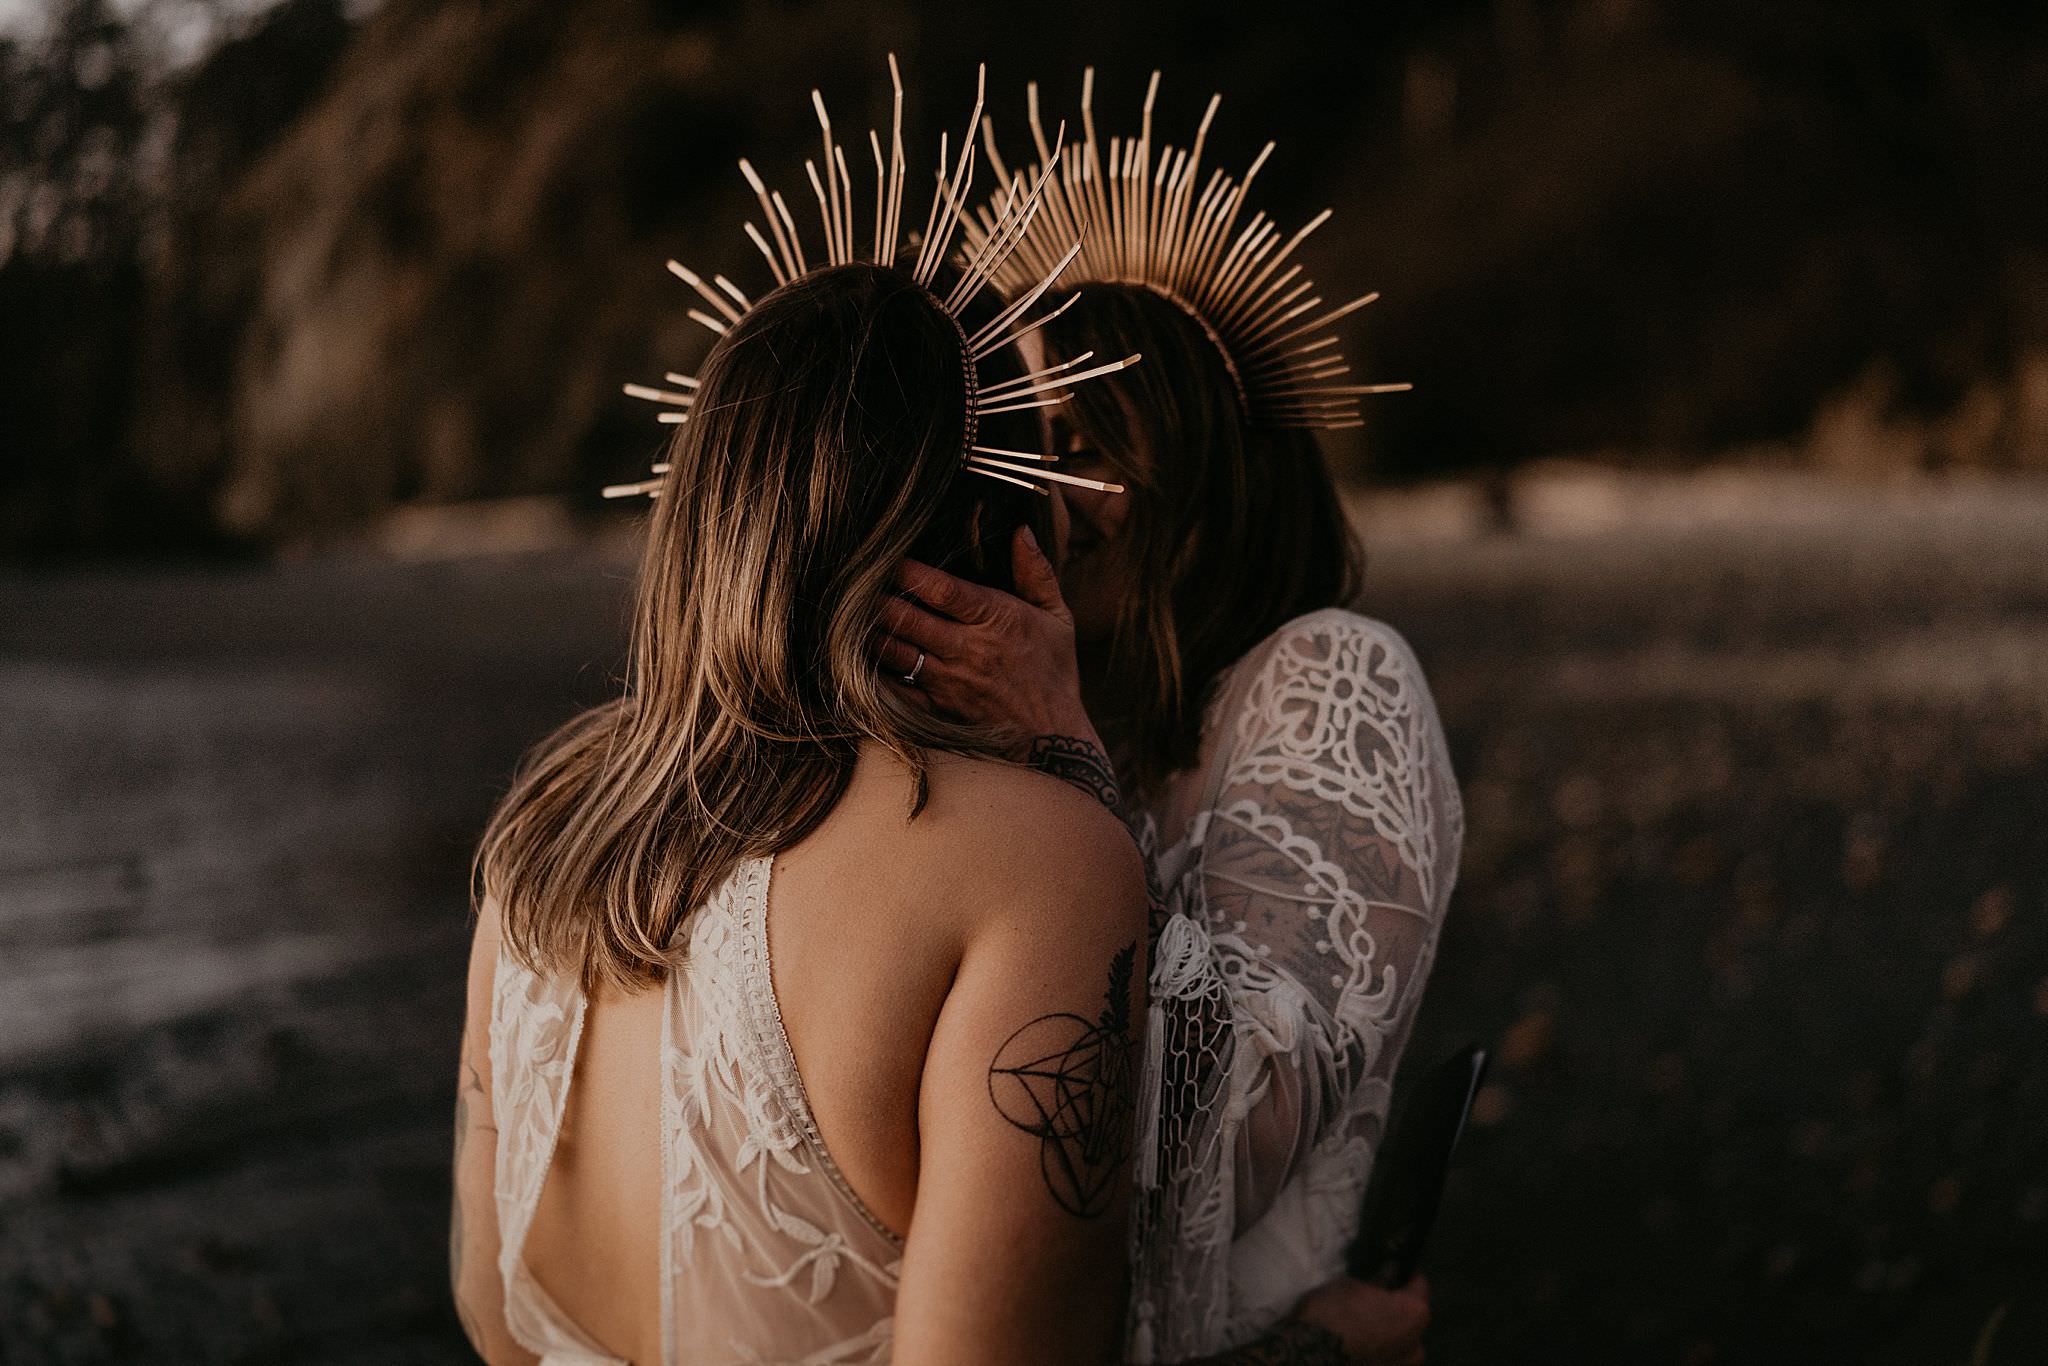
x,y
1080,762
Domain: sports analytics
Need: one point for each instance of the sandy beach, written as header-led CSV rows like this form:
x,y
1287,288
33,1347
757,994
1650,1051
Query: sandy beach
x,y
1754,908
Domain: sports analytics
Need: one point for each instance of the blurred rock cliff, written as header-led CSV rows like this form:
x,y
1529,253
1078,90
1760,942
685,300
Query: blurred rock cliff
x,y
352,257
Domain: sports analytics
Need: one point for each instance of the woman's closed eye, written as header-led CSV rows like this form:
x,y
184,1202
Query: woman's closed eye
x,y
1081,459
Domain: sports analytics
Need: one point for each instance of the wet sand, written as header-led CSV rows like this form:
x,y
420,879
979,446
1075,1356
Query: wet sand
x,y
1755,908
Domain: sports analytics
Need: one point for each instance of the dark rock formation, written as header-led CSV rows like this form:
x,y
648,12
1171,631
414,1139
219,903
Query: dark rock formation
x,y
341,264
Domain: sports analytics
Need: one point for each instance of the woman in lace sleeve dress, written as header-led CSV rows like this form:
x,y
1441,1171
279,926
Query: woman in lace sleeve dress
x,y
1283,763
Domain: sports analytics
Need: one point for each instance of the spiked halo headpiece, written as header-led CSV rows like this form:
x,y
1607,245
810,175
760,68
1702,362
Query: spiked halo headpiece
x,y
991,253
1139,221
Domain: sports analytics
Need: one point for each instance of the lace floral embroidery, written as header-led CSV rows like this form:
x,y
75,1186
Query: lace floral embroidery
x,y
1304,896
767,1255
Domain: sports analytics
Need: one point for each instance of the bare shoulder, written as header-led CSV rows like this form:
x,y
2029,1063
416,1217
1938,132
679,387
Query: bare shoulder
x,y
485,944
486,939
1023,839
488,928
1028,805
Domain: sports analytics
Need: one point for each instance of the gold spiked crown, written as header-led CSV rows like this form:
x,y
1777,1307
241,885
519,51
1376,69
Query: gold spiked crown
x,y
1139,221
991,253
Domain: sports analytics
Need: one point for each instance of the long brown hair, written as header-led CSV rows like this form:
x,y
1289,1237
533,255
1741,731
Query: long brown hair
x,y
824,446
1233,529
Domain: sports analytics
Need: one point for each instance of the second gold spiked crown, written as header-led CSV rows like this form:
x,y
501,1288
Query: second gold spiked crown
x,y
989,254
1135,211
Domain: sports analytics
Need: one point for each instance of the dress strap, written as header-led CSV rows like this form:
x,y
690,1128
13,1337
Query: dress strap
x,y
772,1040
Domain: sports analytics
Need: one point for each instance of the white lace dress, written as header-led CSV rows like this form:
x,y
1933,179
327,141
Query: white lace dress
x,y
767,1254
1305,864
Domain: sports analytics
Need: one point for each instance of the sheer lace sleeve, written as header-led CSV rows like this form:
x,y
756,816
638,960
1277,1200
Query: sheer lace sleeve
x,y
1326,864
1318,844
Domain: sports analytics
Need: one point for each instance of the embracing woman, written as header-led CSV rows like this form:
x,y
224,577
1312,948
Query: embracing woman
x,y
1196,663
801,1028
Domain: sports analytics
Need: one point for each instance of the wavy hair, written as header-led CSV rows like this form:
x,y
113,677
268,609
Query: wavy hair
x,y
824,446
1233,529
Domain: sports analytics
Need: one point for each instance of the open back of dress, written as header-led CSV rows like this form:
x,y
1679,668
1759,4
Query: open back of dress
x,y
767,1255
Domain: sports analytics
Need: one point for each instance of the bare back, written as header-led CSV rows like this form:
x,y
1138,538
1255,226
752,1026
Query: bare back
x,y
895,956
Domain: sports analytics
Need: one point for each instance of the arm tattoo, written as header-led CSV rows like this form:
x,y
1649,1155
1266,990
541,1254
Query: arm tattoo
x,y
1291,1343
1082,763
1067,1082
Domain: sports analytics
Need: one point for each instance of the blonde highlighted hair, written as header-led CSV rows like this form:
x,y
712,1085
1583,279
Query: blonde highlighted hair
x,y
825,445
